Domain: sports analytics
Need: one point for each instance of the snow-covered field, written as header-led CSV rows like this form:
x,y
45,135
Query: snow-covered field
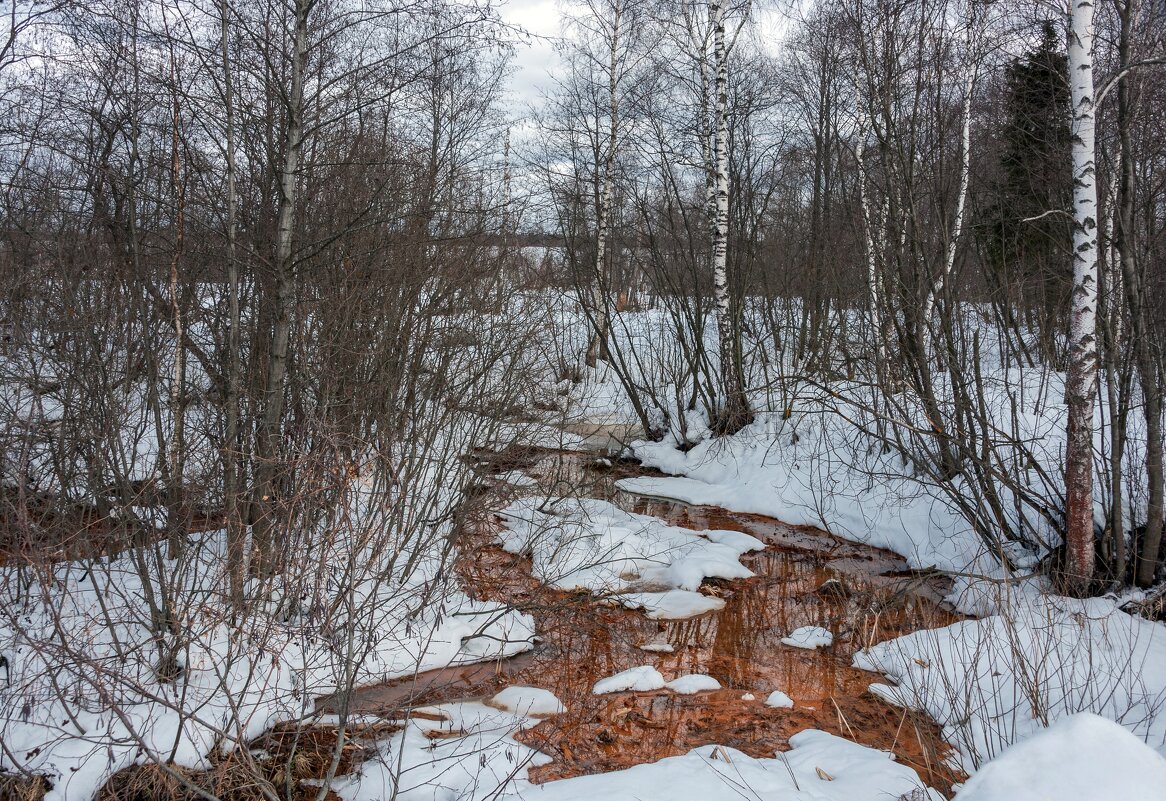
x,y
1019,691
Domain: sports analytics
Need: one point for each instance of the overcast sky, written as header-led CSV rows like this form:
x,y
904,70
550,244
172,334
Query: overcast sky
x,y
535,56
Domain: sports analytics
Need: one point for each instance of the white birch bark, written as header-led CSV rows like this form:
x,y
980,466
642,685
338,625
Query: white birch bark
x,y
957,223
736,410
1081,388
872,263
599,298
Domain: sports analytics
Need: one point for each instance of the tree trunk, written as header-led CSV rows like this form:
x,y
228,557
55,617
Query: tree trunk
x,y
1134,281
1081,388
735,410
176,523
598,347
236,531
269,450
957,223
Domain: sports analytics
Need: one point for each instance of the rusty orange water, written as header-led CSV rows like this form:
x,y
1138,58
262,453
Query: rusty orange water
x,y
804,577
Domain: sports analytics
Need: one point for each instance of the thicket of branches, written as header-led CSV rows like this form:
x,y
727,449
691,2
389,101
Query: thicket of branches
x,y
257,276
901,201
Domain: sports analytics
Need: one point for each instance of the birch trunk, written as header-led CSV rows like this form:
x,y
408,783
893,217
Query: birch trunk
x,y
957,224
735,412
1081,388
598,348
269,435
872,262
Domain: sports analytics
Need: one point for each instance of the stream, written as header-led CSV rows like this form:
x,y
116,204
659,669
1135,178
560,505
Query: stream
x,y
804,577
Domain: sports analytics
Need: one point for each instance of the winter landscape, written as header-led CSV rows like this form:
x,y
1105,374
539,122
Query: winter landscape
x,y
647,400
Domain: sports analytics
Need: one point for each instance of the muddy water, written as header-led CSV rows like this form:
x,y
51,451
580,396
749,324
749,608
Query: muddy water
x,y
804,577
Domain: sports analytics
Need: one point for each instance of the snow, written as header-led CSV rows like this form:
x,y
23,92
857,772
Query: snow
x,y
995,680
86,702
471,755
516,478
809,637
892,695
637,679
530,701
855,773
638,560
779,700
658,645
1083,757
693,683
672,604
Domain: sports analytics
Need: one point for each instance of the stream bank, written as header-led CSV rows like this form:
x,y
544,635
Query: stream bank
x,y
803,577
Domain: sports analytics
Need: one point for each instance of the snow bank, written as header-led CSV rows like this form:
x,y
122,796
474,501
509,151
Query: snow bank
x,y
469,754
809,637
801,471
640,560
531,701
1080,758
993,681
637,679
819,767
693,683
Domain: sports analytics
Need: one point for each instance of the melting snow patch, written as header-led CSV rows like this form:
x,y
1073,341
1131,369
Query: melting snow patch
x,y
809,637
693,683
779,700
671,605
641,561
659,645
637,679
531,701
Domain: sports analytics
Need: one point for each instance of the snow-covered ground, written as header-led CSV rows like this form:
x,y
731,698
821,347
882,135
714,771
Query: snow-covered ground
x,y
1031,659
83,700
471,755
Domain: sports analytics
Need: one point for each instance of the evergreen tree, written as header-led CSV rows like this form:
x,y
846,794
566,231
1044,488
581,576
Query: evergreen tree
x,y
1027,232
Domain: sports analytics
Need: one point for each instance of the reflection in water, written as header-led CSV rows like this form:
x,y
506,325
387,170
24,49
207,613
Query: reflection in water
x,y
804,577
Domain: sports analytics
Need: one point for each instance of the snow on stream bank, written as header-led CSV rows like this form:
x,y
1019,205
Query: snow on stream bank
x,y
471,755
1033,659
82,699
637,560
809,484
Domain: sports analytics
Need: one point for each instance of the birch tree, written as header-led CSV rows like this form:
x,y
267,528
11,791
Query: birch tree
x,y
735,411
609,21
1081,387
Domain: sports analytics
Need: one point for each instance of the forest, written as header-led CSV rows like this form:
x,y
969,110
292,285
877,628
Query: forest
x,y
566,399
